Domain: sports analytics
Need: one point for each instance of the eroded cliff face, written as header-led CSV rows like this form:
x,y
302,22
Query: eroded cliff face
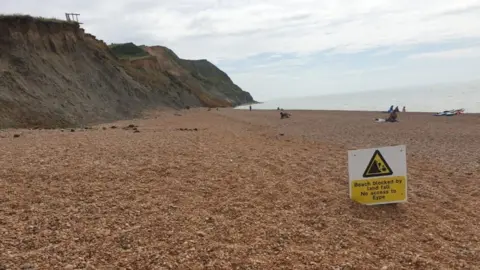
x,y
53,74
204,75
209,85
163,64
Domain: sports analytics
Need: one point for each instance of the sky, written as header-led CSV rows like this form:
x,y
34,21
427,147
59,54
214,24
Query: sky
x,y
288,48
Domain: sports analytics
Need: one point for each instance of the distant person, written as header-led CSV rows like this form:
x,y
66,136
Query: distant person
x,y
391,109
403,109
392,117
284,115
396,109
250,107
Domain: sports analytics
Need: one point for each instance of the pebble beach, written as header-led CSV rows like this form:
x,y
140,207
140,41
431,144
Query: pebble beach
x,y
237,189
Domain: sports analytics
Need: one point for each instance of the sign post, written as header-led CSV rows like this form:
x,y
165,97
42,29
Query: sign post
x,y
378,175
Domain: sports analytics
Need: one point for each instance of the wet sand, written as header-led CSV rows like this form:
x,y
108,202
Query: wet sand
x,y
245,190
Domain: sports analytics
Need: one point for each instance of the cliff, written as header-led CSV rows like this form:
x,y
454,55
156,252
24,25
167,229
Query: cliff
x,y
209,85
53,74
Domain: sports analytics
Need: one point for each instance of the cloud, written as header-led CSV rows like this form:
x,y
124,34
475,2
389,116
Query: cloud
x,y
460,10
280,65
368,70
448,54
312,26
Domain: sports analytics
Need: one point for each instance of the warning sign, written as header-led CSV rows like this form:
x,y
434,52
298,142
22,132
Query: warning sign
x,y
378,175
377,166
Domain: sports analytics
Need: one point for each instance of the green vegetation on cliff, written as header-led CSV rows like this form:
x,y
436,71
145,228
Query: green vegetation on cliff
x,y
128,51
25,17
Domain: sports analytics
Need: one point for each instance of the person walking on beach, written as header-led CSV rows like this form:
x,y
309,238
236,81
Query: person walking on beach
x,y
250,107
403,109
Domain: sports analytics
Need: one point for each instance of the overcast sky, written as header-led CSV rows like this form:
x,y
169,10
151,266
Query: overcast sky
x,y
281,48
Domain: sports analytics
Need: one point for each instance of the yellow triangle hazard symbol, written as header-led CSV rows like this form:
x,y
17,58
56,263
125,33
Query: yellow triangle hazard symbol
x,y
377,166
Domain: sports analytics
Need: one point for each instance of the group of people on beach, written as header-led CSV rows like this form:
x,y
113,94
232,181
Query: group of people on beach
x,y
393,116
396,109
282,113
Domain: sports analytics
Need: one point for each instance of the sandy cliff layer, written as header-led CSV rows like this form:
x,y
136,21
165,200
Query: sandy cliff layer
x,y
54,74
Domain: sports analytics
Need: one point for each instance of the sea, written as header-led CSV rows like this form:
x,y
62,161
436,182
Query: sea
x,y
434,98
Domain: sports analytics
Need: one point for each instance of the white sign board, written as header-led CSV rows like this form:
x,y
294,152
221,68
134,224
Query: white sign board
x,y
378,175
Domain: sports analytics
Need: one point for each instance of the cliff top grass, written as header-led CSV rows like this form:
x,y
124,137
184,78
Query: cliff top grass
x,y
128,51
18,16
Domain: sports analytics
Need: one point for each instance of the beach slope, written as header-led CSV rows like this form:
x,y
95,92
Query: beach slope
x,y
234,189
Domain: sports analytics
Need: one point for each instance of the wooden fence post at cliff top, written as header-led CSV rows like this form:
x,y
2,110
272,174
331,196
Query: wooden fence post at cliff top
x,y
72,17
